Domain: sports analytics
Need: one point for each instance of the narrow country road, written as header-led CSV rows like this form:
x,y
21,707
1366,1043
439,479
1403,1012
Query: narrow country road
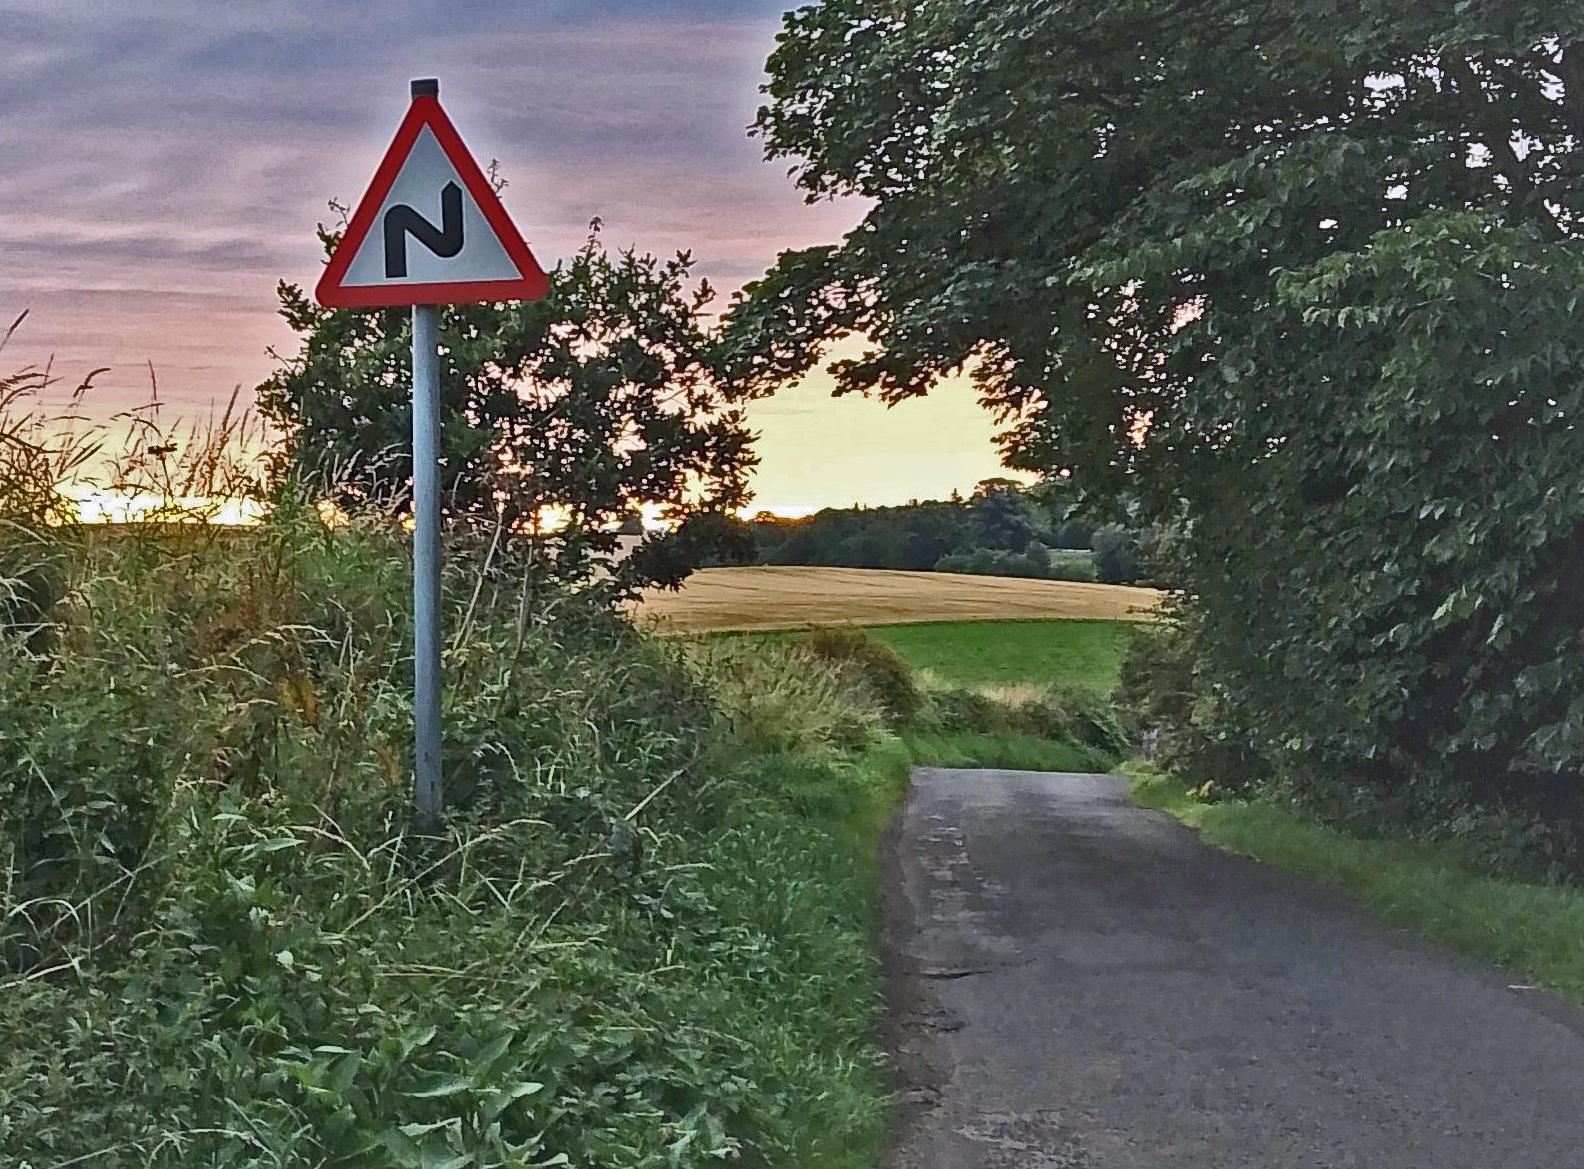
x,y
1076,982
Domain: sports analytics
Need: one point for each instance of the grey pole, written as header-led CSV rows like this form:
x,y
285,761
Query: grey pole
x,y
427,795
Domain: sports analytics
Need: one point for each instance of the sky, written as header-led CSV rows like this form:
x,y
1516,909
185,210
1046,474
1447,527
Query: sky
x,y
163,164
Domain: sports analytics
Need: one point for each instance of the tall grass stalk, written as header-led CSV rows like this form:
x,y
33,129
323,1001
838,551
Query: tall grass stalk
x,y
640,939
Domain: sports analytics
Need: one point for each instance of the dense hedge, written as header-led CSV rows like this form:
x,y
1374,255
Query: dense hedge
x,y
1385,605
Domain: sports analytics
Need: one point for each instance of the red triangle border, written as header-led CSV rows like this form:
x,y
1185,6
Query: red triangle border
x,y
424,112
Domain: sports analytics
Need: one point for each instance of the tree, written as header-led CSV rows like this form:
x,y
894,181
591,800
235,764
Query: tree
x,y
1391,595
1116,555
560,417
1078,200
1002,515
1296,277
1062,509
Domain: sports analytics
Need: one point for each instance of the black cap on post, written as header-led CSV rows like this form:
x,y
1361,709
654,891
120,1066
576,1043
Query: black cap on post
x,y
426,87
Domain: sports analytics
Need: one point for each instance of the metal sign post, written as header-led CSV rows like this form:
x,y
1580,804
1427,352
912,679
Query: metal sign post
x,y
393,254
426,562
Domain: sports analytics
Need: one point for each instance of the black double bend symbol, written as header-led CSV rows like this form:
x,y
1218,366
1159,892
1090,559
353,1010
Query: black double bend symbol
x,y
444,241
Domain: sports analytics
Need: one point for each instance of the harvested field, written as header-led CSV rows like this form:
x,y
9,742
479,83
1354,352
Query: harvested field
x,y
741,599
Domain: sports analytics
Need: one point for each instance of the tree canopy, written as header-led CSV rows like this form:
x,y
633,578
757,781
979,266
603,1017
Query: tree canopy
x,y
1298,277
1004,529
1061,189
561,418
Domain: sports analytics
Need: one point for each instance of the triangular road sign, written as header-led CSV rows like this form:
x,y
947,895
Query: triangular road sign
x,y
430,230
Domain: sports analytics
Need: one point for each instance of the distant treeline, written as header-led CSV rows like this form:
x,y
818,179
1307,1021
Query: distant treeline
x,y
1002,529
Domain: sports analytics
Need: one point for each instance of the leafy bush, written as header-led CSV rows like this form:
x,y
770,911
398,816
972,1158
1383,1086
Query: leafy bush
x,y
996,562
782,699
1072,564
1071,716
961,709
1116,555
1060,715
871,663
1172,706
1381,614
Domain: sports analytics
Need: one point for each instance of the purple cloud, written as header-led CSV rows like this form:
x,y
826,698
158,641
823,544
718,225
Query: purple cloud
x,y
165,163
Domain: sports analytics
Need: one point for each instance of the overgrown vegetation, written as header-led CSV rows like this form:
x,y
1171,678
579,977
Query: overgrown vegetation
x,y
1424,672
1306,290
1000,750
643,937
871,664
1004,718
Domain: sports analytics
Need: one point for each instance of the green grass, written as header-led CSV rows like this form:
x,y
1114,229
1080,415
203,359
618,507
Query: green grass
x,y
645,937
1009,752
1537,930
1072,564
1084,654
794,865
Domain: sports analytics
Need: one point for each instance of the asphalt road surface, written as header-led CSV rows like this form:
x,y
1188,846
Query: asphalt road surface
x,y
1076,982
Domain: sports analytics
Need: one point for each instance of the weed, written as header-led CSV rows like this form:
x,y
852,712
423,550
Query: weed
x,y
642,937
870,663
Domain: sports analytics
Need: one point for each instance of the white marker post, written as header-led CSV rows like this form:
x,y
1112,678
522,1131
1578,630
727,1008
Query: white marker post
x,y
394,254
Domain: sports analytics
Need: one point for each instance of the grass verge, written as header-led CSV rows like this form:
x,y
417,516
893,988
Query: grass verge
x,y
1537,930
1003,751
795,868
643,938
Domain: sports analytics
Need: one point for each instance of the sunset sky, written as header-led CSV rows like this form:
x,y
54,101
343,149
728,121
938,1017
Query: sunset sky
x,y
165,162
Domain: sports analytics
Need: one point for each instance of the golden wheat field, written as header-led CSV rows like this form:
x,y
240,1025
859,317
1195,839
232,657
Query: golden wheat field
x,y
741,599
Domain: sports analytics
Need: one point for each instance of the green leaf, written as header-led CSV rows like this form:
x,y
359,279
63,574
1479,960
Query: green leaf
x,y
441,1086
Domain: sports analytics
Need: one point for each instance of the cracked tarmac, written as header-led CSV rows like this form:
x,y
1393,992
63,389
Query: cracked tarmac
x,y
1077,983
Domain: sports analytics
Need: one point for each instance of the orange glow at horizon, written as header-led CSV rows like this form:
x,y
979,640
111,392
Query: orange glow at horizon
x,y
819,452
153,245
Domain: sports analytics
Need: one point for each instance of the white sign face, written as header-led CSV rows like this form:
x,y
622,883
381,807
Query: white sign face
x,y
429,229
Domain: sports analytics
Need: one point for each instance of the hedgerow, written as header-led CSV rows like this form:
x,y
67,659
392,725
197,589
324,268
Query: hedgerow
x,y
1382,617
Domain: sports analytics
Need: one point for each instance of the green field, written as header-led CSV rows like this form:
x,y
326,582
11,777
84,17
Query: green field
x,y
1085,654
